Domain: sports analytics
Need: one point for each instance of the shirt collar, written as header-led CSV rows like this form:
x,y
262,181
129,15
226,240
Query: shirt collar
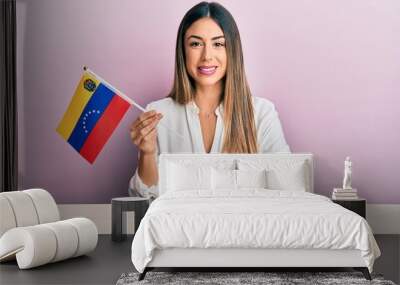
x,y
195,109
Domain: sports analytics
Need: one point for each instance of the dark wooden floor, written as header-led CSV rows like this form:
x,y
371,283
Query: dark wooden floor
x,y
110,260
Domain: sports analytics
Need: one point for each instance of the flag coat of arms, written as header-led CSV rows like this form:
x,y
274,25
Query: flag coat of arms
x,y
94,112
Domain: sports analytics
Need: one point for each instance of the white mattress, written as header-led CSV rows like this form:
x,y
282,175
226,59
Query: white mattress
x,y
251,218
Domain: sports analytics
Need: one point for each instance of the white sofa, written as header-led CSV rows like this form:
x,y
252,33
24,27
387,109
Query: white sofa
x,y
31,230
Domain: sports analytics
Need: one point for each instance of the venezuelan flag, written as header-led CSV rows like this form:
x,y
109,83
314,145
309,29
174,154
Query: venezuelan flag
x,y
94,112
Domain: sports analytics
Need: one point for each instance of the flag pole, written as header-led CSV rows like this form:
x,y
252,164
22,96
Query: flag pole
x,y
85,68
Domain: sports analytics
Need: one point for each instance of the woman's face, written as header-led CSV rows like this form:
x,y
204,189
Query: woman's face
x,y
205,52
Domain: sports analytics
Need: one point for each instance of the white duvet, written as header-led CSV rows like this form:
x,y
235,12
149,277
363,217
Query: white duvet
x,y
251,218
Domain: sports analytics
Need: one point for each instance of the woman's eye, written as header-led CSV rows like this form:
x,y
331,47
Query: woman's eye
x,y
194,44
220,44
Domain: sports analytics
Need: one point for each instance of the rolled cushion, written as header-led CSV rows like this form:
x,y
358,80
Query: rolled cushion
x,y
23,208
67,240
33,246
27,208
7,218
46,207
87,234
41,244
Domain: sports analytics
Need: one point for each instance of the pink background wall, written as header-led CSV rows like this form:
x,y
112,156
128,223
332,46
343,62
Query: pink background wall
x,y
332,68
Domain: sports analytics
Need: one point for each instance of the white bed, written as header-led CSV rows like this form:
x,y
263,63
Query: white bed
x,y
248,210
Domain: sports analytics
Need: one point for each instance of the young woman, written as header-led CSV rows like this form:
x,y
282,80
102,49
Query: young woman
x,y
210,103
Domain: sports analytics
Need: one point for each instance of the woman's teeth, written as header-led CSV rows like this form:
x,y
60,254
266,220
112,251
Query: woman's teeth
x,y
207,70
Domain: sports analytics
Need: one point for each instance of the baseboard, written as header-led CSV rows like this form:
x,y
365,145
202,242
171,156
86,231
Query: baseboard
x,y
383,218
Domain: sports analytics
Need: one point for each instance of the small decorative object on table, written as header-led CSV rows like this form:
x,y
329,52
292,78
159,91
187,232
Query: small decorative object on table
x,y
123,204
347,196
347,192
347,173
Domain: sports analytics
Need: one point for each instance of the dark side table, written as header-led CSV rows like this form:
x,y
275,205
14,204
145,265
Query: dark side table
x,y
358,206
124,204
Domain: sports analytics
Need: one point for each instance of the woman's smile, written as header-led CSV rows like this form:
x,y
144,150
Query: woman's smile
x,y
207,70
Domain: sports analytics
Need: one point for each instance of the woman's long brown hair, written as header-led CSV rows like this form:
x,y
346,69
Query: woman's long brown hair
x,y
240,134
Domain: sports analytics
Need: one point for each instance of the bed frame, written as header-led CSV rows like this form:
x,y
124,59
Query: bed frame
x,y
240,259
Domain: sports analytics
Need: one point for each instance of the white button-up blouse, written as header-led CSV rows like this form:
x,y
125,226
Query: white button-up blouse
x,y
184,119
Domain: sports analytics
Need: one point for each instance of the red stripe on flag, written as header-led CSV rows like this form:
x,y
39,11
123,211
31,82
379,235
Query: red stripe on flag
x,y
104,128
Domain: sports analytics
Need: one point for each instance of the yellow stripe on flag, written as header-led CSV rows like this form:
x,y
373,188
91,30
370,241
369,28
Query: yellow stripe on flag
x,y
76,106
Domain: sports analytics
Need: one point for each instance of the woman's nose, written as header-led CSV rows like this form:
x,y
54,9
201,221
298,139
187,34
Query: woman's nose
x,y
207,53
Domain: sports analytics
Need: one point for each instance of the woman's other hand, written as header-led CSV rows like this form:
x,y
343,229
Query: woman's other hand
x,y
144,133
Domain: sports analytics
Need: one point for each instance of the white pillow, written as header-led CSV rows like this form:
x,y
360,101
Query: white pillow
x,y
182,177
282,174
251,178
237,179
292,176
223,179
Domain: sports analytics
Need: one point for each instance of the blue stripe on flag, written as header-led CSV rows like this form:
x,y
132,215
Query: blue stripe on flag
x,y
90,115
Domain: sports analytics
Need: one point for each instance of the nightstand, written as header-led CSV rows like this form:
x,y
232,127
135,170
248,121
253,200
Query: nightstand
x,y
358,206
123,204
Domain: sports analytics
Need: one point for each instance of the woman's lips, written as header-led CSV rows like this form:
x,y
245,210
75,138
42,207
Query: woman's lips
x,y
207,70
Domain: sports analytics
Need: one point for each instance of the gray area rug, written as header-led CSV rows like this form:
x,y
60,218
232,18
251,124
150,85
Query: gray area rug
x,y
273,278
